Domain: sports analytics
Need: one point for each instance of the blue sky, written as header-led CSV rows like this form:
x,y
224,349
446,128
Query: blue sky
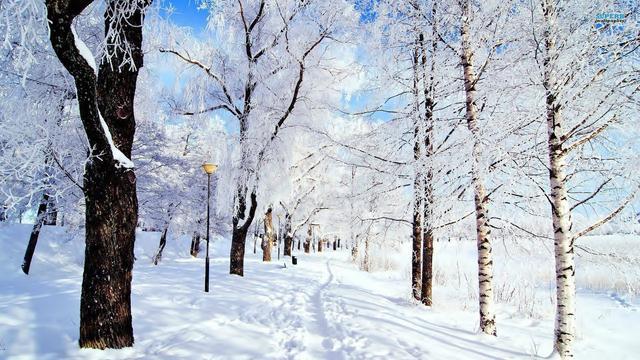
x,y
186,13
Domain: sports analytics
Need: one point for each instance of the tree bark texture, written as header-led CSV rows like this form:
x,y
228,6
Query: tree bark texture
x,y
416,249
269,234
288,236
195,244
483,232
427,231
565,325
239,235
109,188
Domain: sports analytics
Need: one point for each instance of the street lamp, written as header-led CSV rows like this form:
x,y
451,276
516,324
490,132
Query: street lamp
x,y
208,168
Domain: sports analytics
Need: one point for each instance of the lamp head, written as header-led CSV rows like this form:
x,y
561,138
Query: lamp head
x,y
209,168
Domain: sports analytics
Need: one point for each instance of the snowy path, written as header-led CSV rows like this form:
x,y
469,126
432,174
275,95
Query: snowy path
x,y
323,308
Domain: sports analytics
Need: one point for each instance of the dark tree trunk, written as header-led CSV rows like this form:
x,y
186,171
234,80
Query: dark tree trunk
x,y
41,218
298,244
239,235
288,236
163,243
307,246
163,237
35,233
195,244
106,104
255,244
111,216
416,249
427,269
288,245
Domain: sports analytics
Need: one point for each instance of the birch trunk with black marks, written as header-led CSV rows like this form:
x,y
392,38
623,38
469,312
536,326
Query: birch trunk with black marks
x,y
269,234
485,257
565,324
109,186
288,235
418,182
429,104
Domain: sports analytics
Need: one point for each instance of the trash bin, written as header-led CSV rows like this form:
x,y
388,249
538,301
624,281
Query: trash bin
x,y
294,260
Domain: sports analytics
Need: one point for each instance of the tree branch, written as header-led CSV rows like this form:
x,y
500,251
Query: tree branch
x,y
613,214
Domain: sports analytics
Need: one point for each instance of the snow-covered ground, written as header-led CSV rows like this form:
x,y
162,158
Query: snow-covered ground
x,y
323,308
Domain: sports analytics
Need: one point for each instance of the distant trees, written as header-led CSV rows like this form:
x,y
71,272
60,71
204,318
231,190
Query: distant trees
x,y
258,82
39,162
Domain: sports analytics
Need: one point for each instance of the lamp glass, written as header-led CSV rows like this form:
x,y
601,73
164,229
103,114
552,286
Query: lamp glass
x,y
209,168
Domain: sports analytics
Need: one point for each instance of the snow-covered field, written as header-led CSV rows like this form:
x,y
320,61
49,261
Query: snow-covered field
x,y
323,308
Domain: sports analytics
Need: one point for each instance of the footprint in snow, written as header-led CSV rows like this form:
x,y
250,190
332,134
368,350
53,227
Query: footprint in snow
x,y
621,301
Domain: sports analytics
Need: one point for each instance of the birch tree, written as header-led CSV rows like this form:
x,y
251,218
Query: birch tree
x,y
584,104
485,258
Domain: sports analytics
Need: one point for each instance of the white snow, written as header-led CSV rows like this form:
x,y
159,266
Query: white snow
x,y
84,50
120,158
323,308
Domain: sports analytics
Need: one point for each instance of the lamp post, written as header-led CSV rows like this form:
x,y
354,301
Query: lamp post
x,y
208,168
